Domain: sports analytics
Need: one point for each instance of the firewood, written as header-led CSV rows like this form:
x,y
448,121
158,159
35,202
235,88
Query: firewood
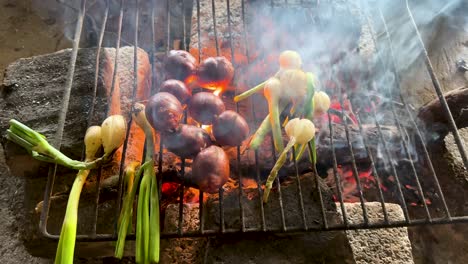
x,y
433,115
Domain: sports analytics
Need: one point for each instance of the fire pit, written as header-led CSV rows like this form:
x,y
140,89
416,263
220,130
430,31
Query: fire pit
x,y
373,148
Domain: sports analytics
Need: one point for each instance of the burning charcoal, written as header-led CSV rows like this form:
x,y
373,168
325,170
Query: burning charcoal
x,y
230,129
204,107
179,65
176,88
215,71
187,141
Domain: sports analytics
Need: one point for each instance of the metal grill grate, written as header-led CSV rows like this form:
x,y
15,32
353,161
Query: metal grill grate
x,y
397,106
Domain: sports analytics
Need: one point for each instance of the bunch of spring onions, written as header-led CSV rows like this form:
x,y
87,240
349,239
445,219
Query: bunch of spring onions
x,y
300,131
290,85
147,226
36,144
110,135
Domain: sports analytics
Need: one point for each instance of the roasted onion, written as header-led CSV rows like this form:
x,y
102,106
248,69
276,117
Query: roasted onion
x,y
204,107
215,71
230,129
164,112
210,169
187,141
179,64
176,88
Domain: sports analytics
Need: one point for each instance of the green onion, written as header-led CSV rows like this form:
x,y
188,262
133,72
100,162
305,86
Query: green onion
x,y
66,245
299,131
272,93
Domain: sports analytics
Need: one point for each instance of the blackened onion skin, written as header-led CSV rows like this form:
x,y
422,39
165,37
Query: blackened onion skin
x,y
230,129
215,71
187,141
164,112
179,64
210,169
204,107
176,88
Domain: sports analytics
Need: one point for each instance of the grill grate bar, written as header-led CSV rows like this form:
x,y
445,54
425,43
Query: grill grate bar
x,y
213,13
62,115
241,206
335,173
438,89
398,124
153,52
130,120
200,200
374,169
221,190
278,186
234,231
387,153
351,151
319,189
252,105
299,189
91,114
182,169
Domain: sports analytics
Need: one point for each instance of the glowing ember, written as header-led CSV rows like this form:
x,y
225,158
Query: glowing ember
x,y
248,183
207,128
218,91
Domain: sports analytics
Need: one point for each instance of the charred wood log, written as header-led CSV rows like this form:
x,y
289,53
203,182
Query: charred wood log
x,y
433,114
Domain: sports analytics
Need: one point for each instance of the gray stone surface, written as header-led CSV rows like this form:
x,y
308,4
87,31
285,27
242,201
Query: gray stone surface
x,y
391,245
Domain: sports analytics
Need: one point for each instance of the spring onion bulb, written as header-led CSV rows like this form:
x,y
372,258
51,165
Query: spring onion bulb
x,y
290,59
114,129
66,245
299,131
321,102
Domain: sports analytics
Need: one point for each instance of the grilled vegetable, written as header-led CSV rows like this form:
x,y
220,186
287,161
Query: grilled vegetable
x,y
187,141
114,129
179,65
299,131
147,227
176,88
215,71
66,245
204,107
37,145
321,102
164,112
230,129
290,59
272,93
210,169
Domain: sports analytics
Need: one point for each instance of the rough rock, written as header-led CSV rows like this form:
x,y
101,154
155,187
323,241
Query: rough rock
x,y
391,245
329,247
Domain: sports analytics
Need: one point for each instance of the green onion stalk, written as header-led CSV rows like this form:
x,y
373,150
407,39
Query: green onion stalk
x,y
299,131
147,228
37,145
110,136
308,112
66,245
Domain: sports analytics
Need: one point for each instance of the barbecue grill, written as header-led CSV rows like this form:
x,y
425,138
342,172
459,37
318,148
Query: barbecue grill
x,y
436,213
